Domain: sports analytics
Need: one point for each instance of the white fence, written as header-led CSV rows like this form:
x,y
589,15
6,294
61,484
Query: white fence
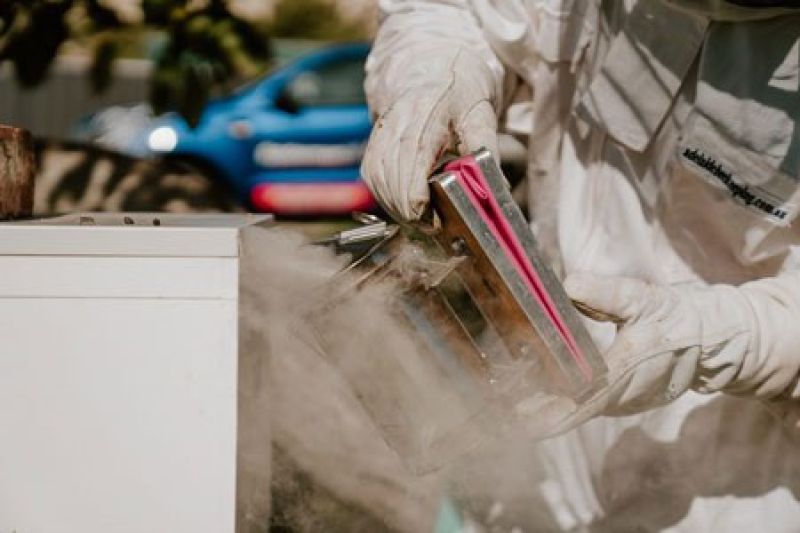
x,y
52,108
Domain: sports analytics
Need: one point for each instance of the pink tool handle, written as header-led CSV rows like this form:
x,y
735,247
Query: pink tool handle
x,y
474,183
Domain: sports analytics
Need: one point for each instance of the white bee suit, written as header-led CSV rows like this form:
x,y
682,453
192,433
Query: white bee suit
x,y
663,147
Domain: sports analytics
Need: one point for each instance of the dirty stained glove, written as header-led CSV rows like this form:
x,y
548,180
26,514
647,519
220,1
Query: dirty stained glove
x,y
741,340
446,103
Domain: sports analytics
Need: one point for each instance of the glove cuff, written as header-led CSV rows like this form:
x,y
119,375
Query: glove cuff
x,y
762,358
771,368
729,333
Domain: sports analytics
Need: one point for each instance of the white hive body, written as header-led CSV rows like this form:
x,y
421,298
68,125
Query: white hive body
x,y
122,406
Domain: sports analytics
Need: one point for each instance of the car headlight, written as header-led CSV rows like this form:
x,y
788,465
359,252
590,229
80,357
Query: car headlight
x,y
162,139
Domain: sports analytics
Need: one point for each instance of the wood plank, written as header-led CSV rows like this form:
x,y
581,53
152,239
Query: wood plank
x,y
17,169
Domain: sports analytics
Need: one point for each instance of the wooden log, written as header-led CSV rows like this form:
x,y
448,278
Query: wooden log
x,y
17,169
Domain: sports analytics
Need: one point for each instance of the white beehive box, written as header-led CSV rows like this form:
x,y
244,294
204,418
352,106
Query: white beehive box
x,y
119,377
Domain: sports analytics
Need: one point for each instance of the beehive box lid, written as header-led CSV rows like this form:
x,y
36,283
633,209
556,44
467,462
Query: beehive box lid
x,y
128,234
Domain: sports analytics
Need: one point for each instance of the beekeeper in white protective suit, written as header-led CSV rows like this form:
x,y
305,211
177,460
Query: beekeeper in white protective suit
x,y
665,169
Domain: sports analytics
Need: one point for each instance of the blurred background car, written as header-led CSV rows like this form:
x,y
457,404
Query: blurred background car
x,y
288,143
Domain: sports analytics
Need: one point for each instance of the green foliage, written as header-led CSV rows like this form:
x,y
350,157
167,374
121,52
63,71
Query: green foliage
x,y
31,35
312,19
206,47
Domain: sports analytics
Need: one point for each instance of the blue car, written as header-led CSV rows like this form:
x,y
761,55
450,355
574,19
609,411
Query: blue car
x,y
289,143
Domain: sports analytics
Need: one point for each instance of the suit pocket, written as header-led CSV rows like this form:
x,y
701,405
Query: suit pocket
x,y
743,135
750,179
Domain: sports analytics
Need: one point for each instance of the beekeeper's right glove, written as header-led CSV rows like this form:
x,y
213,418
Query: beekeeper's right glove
x,y
445,101
741,340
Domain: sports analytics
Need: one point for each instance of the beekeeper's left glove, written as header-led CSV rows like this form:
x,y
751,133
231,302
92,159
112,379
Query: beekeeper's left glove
x,y
742,340
447,105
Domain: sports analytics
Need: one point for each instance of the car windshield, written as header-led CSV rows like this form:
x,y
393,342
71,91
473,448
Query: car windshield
x,y
285,52
336,83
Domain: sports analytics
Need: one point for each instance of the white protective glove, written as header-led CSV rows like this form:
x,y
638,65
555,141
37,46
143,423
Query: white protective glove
x,y
433,85
744,341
